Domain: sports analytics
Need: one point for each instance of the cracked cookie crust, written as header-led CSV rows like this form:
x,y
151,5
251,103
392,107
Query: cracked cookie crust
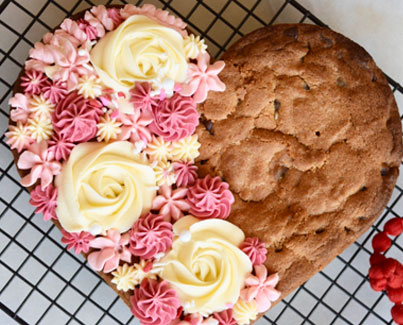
x,y
308,136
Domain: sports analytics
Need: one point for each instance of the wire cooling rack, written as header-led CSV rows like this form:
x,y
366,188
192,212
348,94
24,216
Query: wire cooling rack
x,y
43,283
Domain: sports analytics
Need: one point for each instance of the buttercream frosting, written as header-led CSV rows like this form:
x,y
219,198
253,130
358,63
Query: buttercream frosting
x,y
208,270
171,203
104,186
33,81
186,149
244,311
164,173
19,136
185,173
255,249
159,149
108,128
40,128
40,106
45,201
140,50
79,241
60,147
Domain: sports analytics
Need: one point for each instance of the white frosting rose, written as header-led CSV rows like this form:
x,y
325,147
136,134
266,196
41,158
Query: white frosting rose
x,y
205,265
104,186
140,50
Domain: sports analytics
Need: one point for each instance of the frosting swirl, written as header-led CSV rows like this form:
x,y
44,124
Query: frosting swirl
x,y
205,266
104,186
140,49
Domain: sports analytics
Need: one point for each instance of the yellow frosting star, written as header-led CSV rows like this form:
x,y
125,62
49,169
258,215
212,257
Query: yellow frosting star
x,y
40,106
158,149
127,277
18,136
89,86
164,173
40,127
244,312
108,128
193,46
186,149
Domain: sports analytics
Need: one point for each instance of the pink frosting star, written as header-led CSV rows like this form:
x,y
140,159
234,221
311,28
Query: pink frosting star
x,y
20,113
150,235
98,18
171,203
185,173
112,249
261,288
197,319
114,14
72,27
89,30
42,165
154,303
55,91
255,250
225,317
79,241
33,81
141,97
210,198
135,127
45,201
60,147
203,77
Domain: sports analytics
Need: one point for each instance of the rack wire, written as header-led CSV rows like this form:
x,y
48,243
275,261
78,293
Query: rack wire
x,y
43,283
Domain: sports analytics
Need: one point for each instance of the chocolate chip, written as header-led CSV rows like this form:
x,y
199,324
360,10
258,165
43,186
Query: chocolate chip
x,y
239,102
291,32
207,124
203,162
317,133
363,189
306,86
320,230
362,218
326,40
347,230
278,249
280,173
373,78
277,105
384,171
340,82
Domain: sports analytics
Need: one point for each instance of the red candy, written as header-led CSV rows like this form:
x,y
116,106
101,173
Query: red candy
x,y
381,242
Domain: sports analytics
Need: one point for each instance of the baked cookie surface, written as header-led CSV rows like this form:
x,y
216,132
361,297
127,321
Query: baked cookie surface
x,y
308,136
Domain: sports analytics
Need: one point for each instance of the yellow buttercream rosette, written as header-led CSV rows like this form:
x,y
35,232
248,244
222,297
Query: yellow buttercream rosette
x,y
205,265
104,186
140,49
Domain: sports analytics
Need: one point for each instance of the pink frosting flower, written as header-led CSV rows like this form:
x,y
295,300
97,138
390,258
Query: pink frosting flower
x,y
171,203
135,127
114,14
203,77
88,29
141,97
150,235
99,19
255,250
72,27
154,303
20,113
19,136
45,201
42,165
261,288
112,249
197,319
60,147
160,16
75,118
80,242
210,198
33,82
55,91
185,173
175,118
225,317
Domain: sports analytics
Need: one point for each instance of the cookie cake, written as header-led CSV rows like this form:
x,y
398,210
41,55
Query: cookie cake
x,y
203,192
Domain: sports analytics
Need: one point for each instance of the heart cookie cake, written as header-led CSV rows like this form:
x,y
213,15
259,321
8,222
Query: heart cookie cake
x,y
199,190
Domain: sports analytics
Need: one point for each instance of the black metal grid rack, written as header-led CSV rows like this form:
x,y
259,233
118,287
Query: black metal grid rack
x,y
43,283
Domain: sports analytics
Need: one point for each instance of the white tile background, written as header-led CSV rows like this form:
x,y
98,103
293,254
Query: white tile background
x,y
40,282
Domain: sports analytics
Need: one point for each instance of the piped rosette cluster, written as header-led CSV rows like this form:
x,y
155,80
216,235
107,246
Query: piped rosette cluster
x,y
104,125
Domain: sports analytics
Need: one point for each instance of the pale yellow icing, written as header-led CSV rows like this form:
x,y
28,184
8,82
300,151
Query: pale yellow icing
x,y
194,46
205,265
89,86
159,149
244,312
40,127
127,277
40,106
108,128
104,186
164,173
140,50
186,149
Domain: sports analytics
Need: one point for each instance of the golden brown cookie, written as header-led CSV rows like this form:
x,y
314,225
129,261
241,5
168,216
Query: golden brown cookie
x,y
308,136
